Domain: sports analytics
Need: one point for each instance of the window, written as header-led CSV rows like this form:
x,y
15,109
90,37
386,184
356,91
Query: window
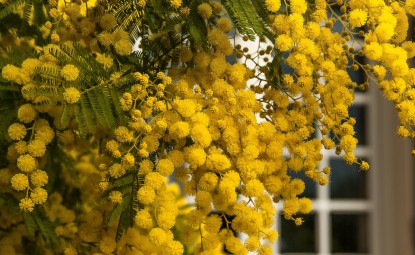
x,y
365,213
341,219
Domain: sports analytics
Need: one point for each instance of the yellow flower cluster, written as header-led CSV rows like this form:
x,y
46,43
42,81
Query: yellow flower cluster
x,y
27,154
119,39
71,95
194,119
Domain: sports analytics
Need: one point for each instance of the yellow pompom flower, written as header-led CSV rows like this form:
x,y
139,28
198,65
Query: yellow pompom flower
x,y
373,50
195,156
19,182
71,95
70,72
26,163
123,47
208,181
253,188
10,72
217,162
55,37
185,107
179,129
115,197
177,157
283,42
128,160
104,60
146,166
36,148
26,113
174,248
111,145
364,165
273,184
305,205
143,219
201,135
379,71
298,6
203,200
157,236
204,10
273,5
123,135
107,21
116,170
44,133
107,245
165,167
224,24
103,185
251,152
106,39
39,178
348,143
39,195
176,3
252,243
410,7
21,147
146,195
357,18
26,204
17,131
154,180
384,32
291,207
70,251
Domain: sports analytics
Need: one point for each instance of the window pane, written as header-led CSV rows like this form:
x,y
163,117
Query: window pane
x,y
298,238
358,76
349,233
347,181
359,113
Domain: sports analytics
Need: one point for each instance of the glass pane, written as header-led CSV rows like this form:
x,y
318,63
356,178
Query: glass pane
x,y
298,238
349,233
347,181
359,113
358,76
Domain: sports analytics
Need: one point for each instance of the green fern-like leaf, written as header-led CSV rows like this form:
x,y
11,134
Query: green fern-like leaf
x,y
9,7
196,26
119,209
125,212
128,13
37,221
45,227
126,221
66,116
99,104
30,223
88,114
247,17
126,180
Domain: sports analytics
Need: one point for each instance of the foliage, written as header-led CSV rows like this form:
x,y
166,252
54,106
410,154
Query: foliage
x,y
100,141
